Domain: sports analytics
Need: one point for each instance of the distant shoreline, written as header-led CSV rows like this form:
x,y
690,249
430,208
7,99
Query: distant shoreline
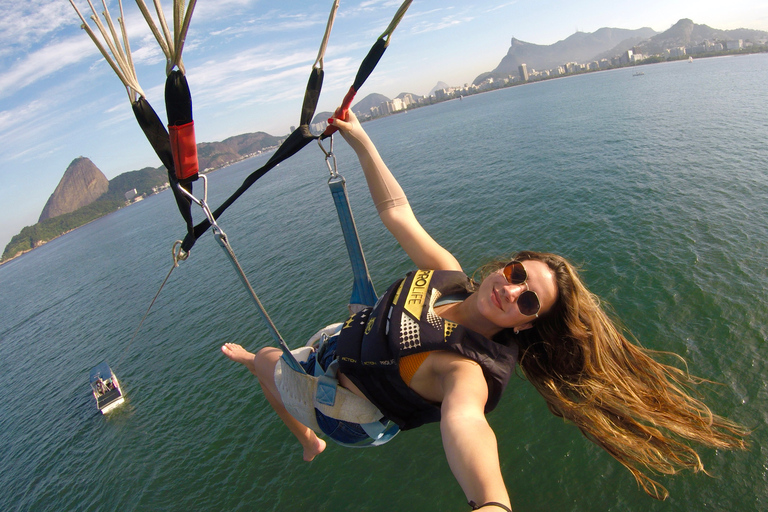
x,y
455,94
22,253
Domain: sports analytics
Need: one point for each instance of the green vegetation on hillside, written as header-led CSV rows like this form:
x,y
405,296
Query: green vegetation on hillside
x,y
32,236
145,181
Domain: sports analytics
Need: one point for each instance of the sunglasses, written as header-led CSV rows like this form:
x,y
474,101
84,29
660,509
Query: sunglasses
x,y
527,302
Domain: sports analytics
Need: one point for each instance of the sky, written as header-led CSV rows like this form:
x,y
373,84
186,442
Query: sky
x,y
247,64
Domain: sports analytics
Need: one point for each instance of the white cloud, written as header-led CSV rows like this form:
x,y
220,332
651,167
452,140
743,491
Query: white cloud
x,y
27,23
502,6
433,25
219,7
377,4
421,22
148,53
245,87
229,75
12,118
45,62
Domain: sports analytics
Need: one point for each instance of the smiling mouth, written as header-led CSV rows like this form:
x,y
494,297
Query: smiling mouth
x,y
496,299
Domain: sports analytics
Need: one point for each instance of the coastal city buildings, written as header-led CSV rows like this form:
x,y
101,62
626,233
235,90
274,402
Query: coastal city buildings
x,y
523,68
528,74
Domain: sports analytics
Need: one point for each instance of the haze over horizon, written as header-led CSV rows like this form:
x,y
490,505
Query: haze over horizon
x,y
247,63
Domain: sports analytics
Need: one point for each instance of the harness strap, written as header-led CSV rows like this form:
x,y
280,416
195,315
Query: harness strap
x,y
183,161
302,136
295,142
356,409
158,138
367,66
181,127
296,387
363,292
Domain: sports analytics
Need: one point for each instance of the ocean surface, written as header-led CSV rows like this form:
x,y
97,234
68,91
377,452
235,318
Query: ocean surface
x,y
656,185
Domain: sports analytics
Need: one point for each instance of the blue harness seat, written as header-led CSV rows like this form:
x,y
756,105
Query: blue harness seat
x,y
309,388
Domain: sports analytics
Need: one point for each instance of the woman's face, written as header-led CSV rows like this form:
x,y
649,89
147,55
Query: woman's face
x,y
497,298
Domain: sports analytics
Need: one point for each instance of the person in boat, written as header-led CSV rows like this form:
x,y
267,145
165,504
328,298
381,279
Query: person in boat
x,y
449,360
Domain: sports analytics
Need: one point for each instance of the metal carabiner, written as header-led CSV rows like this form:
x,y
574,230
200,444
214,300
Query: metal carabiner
x,y
203,203
329,156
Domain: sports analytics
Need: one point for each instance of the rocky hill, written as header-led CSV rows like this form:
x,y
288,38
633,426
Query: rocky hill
x,y
84,193
82,184
437,87
213,155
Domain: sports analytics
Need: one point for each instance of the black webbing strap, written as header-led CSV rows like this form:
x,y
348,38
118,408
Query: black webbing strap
x,y
369,62
157,135
367,66
178,100
365,70
296,141
302,135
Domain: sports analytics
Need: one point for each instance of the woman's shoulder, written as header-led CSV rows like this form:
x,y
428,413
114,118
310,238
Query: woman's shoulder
x,y
442,366
444,362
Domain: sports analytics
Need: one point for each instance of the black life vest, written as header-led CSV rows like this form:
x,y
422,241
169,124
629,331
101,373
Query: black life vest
x,y
403,322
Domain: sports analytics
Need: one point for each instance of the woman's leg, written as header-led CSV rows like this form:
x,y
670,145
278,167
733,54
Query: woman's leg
x,y
262,365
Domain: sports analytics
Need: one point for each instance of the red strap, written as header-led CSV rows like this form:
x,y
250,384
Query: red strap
x,y
341,112
184,150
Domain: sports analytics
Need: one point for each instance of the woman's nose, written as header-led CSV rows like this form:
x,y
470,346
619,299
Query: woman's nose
x,y
513,291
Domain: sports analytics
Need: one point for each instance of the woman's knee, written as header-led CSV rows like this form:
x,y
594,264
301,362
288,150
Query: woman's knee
x,y
265,362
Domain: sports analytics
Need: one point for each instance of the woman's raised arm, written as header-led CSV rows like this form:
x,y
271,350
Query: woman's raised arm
x,y
391,203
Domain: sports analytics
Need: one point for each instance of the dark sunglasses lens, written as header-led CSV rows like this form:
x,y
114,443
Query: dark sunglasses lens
x,y
515,273
528,302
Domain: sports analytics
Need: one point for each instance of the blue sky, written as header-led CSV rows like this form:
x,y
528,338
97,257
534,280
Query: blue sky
x,y
247,63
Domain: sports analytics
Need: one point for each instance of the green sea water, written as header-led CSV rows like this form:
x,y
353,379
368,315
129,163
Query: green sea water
x,y
656,185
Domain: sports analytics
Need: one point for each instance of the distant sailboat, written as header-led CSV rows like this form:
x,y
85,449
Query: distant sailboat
x,y
690,60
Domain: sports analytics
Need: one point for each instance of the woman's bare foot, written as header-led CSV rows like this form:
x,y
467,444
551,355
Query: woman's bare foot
x,y
316,448
267,359
239,355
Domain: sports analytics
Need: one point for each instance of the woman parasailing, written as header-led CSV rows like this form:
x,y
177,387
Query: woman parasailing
x,y
440,347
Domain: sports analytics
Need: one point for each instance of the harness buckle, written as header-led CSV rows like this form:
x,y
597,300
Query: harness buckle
x,y
329,157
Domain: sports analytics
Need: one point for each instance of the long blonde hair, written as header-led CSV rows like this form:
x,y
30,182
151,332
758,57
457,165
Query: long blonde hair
x,y
617,393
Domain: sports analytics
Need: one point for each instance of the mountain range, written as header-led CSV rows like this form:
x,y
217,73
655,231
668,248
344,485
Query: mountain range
x,y
685,33
580,47
610,42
